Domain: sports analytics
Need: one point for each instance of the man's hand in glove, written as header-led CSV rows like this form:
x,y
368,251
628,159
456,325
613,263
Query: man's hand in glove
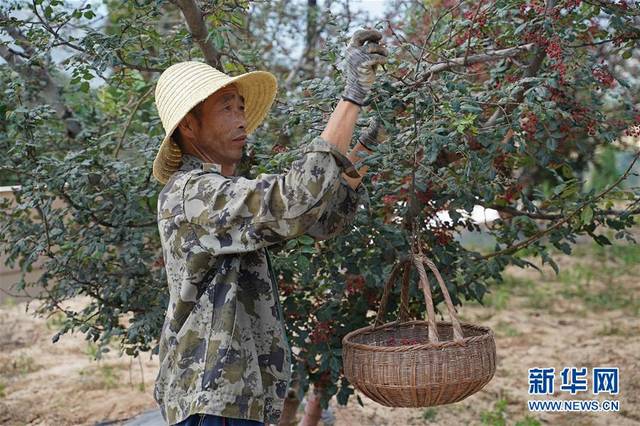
x,y
363,56
373,135
369,140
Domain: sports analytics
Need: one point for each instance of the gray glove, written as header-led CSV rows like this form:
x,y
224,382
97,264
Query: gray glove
x,y
359,65
371,137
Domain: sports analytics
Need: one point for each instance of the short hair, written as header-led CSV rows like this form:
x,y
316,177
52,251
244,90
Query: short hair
x,y
196,112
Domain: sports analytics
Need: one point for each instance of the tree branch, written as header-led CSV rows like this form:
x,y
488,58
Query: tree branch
x,y
133,113
545,231
197,27
97,219
475,59
531,71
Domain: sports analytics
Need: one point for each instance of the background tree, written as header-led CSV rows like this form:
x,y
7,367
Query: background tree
x,y
504,104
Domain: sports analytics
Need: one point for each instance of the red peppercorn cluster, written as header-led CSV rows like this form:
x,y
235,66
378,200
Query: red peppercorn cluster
x,y
633,131
529,123
354,284
476,27
623,37
513,192
511,78
392,341
389,200
557,95
442,236
572,4
286,287
579,114
159,262
554,50
603,76
424,196
481,19
321,333
536,6
279,148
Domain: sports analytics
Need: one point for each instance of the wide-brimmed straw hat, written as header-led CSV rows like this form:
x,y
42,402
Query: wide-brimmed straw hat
x,y
185,84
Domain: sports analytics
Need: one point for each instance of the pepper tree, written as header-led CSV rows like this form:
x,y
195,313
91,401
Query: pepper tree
x,y
503,104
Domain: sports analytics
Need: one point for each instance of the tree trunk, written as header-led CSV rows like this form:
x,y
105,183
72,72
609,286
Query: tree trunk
x,y
312,38
313,409
291,404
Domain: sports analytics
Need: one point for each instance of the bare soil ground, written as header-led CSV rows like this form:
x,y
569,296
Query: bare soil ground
x,y
587,316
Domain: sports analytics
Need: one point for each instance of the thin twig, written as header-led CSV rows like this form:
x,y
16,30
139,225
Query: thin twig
x,y
133,113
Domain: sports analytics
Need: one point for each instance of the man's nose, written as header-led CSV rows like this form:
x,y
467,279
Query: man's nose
x,y
241,120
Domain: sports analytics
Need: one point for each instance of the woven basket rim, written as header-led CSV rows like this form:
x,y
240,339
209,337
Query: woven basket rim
x,y
378,385
349,344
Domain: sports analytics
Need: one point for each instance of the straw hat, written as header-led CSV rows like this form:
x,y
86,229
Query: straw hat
x,y
185,84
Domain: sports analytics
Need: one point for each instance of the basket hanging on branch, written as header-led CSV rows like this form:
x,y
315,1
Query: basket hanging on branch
x,y
418,363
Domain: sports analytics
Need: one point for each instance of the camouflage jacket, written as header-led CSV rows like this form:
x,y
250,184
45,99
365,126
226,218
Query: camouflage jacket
x,y
223,348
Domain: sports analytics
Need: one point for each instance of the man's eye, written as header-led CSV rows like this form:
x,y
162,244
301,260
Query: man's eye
x,y
242,107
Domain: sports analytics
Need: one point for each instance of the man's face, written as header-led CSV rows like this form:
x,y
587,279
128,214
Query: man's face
x,y
222,120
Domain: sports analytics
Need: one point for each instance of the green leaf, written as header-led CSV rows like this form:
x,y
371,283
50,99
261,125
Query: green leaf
x,y
335,364
602,240
84,86
291,244
307,249
587,215
306,239
303,263
566,171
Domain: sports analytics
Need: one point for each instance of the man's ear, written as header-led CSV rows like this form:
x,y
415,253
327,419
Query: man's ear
x,y
187,126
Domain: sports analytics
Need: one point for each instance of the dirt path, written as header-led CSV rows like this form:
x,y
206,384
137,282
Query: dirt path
x,y
588,316
42,383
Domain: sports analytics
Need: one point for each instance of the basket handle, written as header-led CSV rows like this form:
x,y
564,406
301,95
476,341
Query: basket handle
x,y
426,289
404,294
387,289
418,260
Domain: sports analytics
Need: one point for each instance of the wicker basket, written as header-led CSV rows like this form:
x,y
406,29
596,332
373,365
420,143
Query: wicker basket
x,y
418,363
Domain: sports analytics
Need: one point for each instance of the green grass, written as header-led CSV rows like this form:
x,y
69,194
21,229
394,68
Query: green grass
x,y
597,277
497,297
2,390
576,274
528,421
21,365
627,254
498,294
9,302
538,295
577,283
498,416
103,376
504,329
614,298
610,329
429,414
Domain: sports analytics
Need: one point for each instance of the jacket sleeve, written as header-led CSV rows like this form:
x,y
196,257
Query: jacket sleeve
x,y
340,212
235,214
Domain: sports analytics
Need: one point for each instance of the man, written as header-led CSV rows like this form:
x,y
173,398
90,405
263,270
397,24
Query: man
x,y
224,355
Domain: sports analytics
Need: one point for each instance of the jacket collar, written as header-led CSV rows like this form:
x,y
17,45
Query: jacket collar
x,y
191,162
